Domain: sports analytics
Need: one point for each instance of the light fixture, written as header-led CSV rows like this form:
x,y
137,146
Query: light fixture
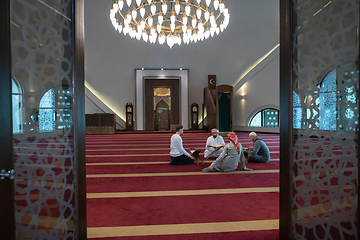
x,y
176,21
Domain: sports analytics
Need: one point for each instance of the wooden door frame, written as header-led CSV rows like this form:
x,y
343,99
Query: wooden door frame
x,y
285,118
7,199
170,73
7,222
79,119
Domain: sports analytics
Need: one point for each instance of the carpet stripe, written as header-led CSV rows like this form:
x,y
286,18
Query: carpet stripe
x,y
142,163
180,193
126,143
176,174
140,155
170,229
138,149
167,168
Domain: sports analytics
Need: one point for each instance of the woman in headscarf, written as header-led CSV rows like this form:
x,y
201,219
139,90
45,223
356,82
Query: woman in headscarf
x,y
229,159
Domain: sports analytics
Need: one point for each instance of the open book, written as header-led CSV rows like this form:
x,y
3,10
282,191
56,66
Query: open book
x,y
217,146
195,153
193,150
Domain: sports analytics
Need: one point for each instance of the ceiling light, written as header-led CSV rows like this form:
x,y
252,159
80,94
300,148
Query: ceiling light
x,y
171,24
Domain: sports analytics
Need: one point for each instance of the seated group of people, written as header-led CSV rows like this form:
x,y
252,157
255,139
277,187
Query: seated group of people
x,y
227,156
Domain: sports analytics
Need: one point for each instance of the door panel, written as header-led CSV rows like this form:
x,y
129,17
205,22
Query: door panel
x,y
224,112
173,84
42,120
42,65
319,150
7,219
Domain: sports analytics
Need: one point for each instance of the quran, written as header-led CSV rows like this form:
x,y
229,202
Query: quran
x,y
195,153
217,148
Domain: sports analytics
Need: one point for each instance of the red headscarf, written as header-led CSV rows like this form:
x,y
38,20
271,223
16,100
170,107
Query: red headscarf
x,y
232,136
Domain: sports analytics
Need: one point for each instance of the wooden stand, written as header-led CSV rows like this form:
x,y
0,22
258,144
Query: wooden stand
x,y
100,123
195,154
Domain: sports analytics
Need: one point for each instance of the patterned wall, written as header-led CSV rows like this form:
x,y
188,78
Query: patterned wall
x,y
42,64
325,119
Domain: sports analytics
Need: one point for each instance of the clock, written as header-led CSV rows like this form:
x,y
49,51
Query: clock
x,y
194,116
129,117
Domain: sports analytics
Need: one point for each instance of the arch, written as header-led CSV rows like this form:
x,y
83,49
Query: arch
x,y
54,112
162,116
47,111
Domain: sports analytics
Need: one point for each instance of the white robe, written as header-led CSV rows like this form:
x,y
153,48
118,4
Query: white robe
x,y
229,159
214,141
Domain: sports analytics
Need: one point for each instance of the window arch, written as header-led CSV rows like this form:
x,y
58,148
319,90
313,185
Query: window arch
x,y
47,112
327,102
17,107
333,105
268,117
55,111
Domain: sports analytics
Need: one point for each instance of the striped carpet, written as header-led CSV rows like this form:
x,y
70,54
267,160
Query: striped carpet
x,y
133,192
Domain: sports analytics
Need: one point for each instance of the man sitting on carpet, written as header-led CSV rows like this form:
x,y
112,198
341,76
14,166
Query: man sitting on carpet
x,y
178,154
260,152
229,159
213,142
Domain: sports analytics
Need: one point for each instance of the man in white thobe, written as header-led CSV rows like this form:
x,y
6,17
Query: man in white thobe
x,y
212,143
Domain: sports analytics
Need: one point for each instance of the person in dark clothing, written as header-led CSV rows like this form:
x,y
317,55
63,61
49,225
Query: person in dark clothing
x,y
260,152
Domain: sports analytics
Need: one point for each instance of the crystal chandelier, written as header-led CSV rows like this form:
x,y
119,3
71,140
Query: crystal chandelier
x,y
170,21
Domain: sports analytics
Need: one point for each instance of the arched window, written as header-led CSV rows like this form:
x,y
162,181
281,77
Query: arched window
x,y
268,117
55,111
327,103
333,105
47,112
17,107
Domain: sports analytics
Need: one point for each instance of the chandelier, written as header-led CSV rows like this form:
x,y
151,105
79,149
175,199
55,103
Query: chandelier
x,y
170,21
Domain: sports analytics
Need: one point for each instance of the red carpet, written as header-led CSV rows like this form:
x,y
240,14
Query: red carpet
x,y
183,209
145,154
167,168
213,181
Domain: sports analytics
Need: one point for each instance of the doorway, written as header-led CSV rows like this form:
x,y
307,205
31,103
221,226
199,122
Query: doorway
x,y
161,104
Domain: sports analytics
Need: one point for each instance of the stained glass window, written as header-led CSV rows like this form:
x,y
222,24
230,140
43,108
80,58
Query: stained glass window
x,y
297,111
332,105
63,109
17,108
327,105
268,117
256,120
55,111
47,112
